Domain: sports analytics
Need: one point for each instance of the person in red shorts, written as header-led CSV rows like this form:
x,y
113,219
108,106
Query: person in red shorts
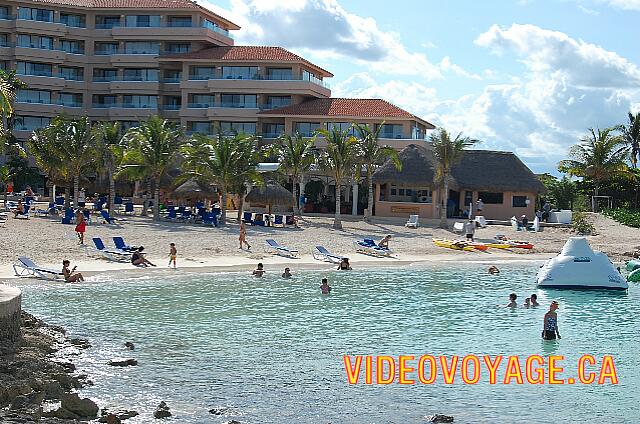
x,y
81,225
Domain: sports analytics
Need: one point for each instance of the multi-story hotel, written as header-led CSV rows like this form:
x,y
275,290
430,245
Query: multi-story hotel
x,y
125,60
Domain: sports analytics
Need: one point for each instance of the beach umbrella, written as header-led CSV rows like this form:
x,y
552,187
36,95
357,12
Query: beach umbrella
x,y
193,189
271,194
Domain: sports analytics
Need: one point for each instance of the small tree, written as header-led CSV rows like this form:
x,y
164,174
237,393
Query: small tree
x,y
110,149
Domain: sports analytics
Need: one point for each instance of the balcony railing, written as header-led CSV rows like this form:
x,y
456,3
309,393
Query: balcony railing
x,y
105,79
200,105
269,106
255,78
171,80
271,134
34,46
139,79
34,101
222,104
36,73
170,107
108,26
123,106
70,104
70,77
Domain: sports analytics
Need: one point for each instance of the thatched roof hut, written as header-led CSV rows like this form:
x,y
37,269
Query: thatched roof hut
x,y
272,194
193,189
477,170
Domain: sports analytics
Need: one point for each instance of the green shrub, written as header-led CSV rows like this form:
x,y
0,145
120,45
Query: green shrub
x,y
624,216
581,224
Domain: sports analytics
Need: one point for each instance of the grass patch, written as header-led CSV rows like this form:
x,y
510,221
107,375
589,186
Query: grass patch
x,y
624,216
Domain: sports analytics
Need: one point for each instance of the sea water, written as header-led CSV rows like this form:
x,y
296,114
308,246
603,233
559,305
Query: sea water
x,y
271,350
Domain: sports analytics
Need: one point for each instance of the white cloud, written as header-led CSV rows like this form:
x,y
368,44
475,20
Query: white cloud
x,y
624,4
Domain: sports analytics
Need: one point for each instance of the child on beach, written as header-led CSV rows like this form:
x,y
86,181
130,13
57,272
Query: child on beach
x,y
69,276
259,271
325,287
173,253
243,236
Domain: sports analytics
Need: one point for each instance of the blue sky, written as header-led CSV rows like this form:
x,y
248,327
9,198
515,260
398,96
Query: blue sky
x,y
527,76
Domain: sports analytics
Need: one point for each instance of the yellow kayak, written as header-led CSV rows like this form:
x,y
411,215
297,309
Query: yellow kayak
x,y
455,245
498,245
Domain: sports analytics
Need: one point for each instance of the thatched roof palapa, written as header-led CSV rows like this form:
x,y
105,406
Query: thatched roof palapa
x,y
193,188
270,194
477,170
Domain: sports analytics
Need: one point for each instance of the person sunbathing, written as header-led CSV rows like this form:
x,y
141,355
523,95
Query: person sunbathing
x,y
69,275
19,209
384,243
138,259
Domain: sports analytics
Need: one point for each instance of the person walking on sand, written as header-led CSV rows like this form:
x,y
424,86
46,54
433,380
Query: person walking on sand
x,y
550,328
81,225
243,235
173,254
470,229
69,275
325,287
479,206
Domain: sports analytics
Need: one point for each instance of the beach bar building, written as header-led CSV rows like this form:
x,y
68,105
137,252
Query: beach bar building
x,y
506,186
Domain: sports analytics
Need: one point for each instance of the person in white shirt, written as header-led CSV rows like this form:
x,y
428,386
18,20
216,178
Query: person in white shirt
x,y
470,229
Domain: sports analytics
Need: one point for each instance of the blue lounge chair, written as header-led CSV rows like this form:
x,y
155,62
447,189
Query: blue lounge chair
x,y
247,217
111,254
128,208
25,267
322,254
278,221
210,218
277,249
290,220
106,218
69,217
185,215
369,247
87,216
259,222
59,201
171,214
121,245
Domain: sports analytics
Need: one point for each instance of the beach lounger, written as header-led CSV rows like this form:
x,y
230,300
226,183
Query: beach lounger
x,y
247,218
3,219
106,218
275,248
210,218
121,245
278,221
111,254
25,214
322,254
87,216
128,208
412,222
481,221
514,223
535,227
458,227
25,267
369,247
69,217
171,214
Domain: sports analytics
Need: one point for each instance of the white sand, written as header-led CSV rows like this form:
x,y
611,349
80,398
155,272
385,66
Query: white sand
x,y
47,242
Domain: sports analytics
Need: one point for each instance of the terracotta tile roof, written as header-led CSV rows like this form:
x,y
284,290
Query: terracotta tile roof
x,y
362,108
248,53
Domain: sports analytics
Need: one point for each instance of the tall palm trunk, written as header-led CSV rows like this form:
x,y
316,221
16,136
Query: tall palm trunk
x,y
369,216
223,206
444,201
112,191
76,189
145,204
241,205
337,222
296,200
156,200
67,195
5,198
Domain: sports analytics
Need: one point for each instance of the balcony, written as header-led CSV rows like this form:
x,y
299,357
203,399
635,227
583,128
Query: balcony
x,y
71,77
171,80
200,105
70,104
269,106
170,107
34,101
105,79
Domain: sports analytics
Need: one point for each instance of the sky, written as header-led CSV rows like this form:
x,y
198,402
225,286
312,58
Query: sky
x,y
527,76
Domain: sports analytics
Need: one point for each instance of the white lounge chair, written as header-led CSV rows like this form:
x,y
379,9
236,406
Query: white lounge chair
x,y
369,247
514,223
481,221
25,267
111,254
3,219
458,227
412,222
535,227
320,253
278,249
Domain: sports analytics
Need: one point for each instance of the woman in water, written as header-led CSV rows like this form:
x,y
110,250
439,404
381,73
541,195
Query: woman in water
x,y
512,301
69,276
550,330
344,265
287,273
325,287
534,300
494,270
259,271
527,303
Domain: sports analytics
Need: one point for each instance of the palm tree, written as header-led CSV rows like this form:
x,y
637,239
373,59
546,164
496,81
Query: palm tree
x,y
49,157
631,134
340,158
372,156
154,147
78,144
447,152
9,85
598,157
229,161
296,154
111,149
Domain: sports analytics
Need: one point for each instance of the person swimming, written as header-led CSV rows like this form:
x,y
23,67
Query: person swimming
x,y
325,287
493,270
287,273
512,301
550,328
344,265
259,271
534,300
527,303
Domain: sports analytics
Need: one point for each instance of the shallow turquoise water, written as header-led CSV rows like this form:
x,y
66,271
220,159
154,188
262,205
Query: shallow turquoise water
x,y
272,349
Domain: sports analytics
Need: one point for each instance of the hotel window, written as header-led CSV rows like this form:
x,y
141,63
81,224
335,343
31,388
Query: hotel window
x,y
239,100
33,14
200,127
140,102
30,123
178,47
77,21
35,41
33,96
179,21
391,131
142,21
106,49
279,73
202,101
273,130
105,75
4,40
107,22
518,201
491,198
277,101
307,129
141,74
73,74
72,46
410,194
240,72
202,73
238,127
342,126
172,75
141,47
172,102
4,12
70,99
104,100
33,68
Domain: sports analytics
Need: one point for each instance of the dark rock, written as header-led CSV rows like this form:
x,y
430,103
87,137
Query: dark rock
x,y
162,411
123,362
233,422
85,408
121,415
125,415
439,418
129,345
53,390
20,402
110,419
224,410
80,343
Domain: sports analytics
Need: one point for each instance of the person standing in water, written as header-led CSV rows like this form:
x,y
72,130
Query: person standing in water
x,y
527,303
344,265
287,273
173,254
243,236
512,301
534,300
259,271
325,287
550,329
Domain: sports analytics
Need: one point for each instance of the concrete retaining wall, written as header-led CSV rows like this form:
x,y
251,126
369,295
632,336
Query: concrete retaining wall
x,y
10,308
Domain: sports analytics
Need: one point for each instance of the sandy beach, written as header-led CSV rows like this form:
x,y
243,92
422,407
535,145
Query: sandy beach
x,y
47,242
